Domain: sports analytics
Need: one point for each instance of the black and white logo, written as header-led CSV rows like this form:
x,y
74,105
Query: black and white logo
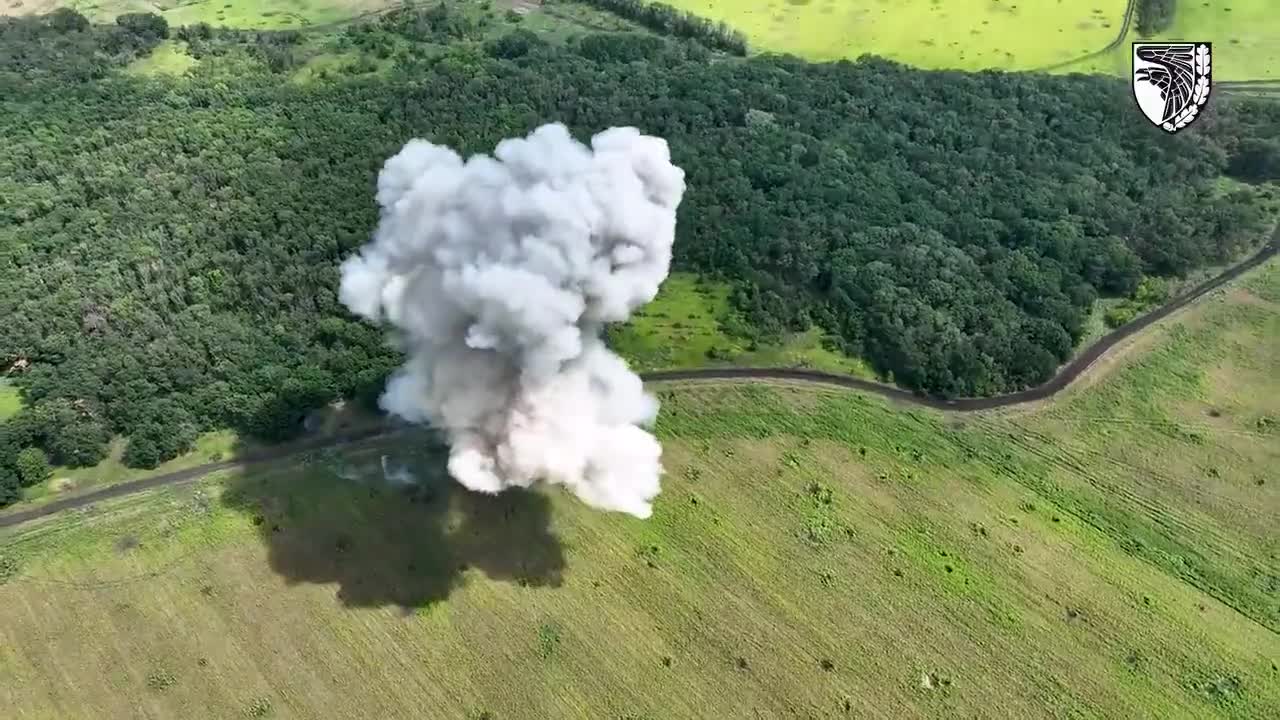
x,y
1171,81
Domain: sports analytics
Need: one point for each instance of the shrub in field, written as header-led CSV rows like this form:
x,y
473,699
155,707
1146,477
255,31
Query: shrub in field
x,y
1155,16
259,708
8,568
161,679
548,640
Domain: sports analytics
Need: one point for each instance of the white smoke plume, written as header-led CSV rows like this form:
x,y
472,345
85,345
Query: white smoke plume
x,y
499,274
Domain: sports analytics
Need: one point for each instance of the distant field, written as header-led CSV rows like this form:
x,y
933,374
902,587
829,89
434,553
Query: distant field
x,y
814,554
967,34
1245,36
265,14
325,55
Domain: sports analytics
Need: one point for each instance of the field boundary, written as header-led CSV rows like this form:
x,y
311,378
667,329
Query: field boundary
x,y
1129,11
1065,376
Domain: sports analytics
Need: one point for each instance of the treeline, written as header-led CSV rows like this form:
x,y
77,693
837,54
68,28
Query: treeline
x,y
1155,16
63,43
665,19
1252,141
169,246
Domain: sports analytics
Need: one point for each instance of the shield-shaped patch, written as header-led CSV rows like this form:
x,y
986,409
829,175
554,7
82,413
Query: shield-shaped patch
x,y
1171,81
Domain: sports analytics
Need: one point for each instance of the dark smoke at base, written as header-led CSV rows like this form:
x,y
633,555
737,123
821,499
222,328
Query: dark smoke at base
x,y
499,274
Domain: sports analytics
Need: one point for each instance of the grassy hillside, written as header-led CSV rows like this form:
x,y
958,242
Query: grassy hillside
x,y
814,554
1002,34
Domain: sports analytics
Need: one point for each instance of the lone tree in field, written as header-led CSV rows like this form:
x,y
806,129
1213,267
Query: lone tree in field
x,y
1155,16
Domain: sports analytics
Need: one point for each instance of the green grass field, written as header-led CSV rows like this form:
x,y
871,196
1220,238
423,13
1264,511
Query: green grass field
x,y
168,58
967,34
684,327
1245,36
814,554
1002,34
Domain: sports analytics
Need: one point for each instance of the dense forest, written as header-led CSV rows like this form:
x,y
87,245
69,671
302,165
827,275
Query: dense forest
x,y
169,246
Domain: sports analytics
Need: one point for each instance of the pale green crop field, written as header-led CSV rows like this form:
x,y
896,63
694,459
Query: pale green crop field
x,y
168,58
966,34
10,399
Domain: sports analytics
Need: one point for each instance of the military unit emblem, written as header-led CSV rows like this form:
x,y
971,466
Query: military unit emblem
x,y
1172,81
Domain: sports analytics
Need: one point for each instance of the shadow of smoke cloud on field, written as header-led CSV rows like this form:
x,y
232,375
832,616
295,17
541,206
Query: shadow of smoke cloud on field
x,y
385,541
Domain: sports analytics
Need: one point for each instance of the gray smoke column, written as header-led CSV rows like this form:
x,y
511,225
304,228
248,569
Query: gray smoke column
x,y
499,274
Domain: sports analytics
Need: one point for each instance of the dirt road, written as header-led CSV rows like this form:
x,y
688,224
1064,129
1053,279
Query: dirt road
x,y
1065,376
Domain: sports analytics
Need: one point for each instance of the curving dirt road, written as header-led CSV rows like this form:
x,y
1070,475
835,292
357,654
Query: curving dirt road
x,y
1064,377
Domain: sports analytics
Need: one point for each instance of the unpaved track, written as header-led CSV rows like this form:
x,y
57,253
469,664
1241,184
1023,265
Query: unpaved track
x,y
1064,377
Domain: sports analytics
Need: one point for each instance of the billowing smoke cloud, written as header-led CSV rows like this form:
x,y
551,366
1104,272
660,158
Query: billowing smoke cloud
x,y
499,274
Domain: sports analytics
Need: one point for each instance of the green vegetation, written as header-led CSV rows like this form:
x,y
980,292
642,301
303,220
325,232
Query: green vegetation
x,y
168,58
692,324
112,470
962,34
1245,36
1153,16
257,14
220,202
813,552
1150,293
10,399
212,446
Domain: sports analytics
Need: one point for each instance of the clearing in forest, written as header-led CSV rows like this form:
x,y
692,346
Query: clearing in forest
x,y
10,399
689,324
814,552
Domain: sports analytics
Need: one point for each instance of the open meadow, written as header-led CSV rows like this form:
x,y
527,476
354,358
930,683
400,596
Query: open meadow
x,y
1000,34
815,553
1245,36
965,34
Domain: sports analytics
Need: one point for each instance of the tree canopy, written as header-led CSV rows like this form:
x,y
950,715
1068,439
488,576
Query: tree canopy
x,y
169,246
